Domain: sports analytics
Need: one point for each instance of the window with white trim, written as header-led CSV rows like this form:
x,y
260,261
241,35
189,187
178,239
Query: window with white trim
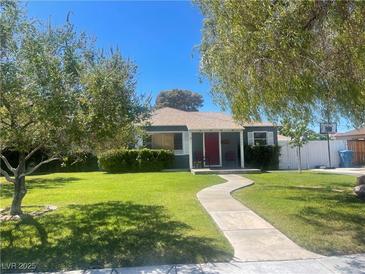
x,y
260,138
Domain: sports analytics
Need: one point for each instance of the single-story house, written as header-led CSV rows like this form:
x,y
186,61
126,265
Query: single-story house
x,y
355,142
206,139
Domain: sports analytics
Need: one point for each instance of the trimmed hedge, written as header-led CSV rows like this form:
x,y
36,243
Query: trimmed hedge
x,y
135,160
262,157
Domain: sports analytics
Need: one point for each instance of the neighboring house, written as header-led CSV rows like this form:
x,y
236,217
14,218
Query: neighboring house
x,y
355,142
206,139
356,134
283,138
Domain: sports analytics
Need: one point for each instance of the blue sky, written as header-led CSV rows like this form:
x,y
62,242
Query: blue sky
x,y
159,36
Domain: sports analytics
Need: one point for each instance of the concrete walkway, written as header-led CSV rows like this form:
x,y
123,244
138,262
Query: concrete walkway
x,y
252,238
353,264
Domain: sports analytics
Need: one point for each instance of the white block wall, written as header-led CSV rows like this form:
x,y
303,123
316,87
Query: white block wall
x,y
314,153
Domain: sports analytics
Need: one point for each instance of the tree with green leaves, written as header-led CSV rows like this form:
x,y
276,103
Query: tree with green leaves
x,y
296,128
180,99
265,58
58,94
315,136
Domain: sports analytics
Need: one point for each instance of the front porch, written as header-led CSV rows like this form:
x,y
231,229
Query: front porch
x,y
216,149
200,171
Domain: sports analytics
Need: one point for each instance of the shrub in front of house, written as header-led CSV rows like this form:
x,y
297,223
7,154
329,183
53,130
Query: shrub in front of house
x,y
262,157
135,160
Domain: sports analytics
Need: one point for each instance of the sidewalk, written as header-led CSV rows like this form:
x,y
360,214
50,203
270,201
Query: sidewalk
x,y
252,238
354,264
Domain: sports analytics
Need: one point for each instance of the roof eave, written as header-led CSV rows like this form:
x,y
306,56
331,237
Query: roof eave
x,y
215,129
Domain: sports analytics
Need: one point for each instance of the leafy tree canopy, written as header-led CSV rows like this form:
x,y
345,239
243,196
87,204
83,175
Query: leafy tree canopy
x,y
296,128
58,94
270,57
179,99
314,136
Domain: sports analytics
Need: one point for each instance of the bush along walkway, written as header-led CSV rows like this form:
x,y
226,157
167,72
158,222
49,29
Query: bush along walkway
x,y
252,238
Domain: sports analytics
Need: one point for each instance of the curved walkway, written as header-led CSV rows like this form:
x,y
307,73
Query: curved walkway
x,y
252,238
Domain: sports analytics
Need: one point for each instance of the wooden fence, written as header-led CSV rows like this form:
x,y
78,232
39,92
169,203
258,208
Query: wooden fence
x,y
358,147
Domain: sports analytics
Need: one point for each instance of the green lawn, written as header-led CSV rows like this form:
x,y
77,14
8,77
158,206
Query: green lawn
x,y
317,211
113,220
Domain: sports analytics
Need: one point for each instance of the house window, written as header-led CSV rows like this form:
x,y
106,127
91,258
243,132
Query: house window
x,y
260,138
170,141
178,141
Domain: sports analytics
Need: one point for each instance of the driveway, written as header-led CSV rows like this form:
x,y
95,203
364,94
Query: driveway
x,y
346,171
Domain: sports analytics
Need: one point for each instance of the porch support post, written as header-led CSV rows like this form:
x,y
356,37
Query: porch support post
x,y
190,150
241,150
220,148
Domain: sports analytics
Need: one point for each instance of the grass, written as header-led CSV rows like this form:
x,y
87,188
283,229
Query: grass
x,y
317,211
107,220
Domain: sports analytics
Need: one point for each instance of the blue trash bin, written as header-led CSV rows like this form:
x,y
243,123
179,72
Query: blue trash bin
x,y
346,158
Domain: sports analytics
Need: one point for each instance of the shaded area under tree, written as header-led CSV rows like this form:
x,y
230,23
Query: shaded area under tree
x,y
103,235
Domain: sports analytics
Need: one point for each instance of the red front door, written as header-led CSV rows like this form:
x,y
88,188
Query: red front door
x,y
211,143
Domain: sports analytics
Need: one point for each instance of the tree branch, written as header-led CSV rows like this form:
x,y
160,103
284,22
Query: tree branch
x,y
323,70
32,152
5,123
8,165
265,59
319,11
7,176
37,166
27,124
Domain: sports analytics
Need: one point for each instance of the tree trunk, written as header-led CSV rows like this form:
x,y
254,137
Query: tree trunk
x,y
19,189
299,160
